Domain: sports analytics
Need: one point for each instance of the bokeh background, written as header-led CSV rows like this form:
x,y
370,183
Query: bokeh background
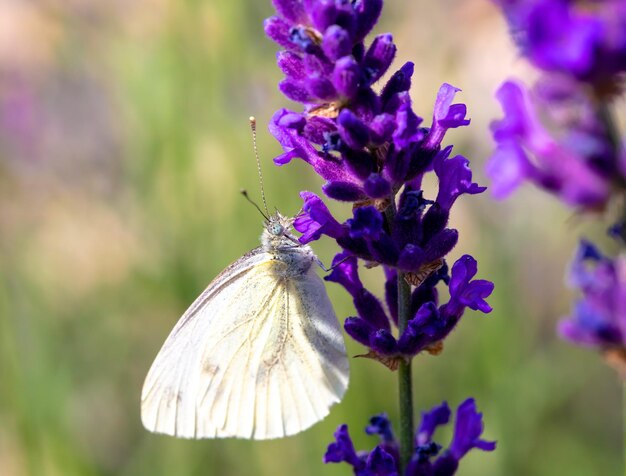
x,y
124,143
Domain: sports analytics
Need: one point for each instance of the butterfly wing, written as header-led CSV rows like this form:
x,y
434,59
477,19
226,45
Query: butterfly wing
x,y
259,354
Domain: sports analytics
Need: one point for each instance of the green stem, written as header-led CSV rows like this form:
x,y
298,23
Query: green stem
x,y
405,386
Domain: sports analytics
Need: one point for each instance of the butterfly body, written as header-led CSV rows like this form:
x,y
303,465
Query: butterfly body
x,y
259,354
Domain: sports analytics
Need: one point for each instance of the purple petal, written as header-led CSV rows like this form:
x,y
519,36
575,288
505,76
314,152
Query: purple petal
x,y
291,64
407,127
383,342
367,223
376,186
380,425
297,146
381,128
422,330
278,30
345,272
560,40
317,129
336,43
381,463
359,329
353,131
467,431
590,328
507,168
326,13
446,115
559,167
342,449
295,91
344,191
368,12
411,258
455,179
399,82
291,10
321,87
346,76
370,308
316,220
437,416
467,293
378,57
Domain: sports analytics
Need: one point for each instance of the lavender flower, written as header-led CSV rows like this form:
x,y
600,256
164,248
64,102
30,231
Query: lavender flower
x,y
431,322
373,150
580,167
572,151
560,135
584,40
599,317
428,459
369,146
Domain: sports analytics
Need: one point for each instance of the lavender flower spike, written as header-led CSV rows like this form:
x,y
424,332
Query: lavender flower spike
x,y
373,150
427,457
570,38
526,151
598,319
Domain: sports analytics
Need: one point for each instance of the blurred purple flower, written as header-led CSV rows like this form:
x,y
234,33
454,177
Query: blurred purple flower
x,y
599,317
578,168
585,40
427,459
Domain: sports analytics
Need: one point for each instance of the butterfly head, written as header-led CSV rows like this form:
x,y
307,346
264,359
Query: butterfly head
x,y
277,232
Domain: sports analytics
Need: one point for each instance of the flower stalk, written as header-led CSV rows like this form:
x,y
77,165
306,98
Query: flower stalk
x,y
405,385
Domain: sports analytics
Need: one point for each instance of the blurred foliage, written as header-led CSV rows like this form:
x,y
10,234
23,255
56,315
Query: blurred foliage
x,y
123,145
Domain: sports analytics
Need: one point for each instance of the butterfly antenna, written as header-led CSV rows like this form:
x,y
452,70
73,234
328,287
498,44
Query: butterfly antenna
x,y
258,165
245,195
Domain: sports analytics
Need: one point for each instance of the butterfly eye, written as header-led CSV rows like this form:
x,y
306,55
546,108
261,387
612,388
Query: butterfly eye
x,y
276,229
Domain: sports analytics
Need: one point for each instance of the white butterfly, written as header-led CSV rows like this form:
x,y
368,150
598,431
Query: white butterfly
x,y
259,354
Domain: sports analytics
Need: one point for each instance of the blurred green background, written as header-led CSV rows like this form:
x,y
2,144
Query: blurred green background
x,y
123,145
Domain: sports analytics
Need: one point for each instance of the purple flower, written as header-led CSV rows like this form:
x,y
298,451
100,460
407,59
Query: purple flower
x,y
315,219
427,459
376,463
599,317
343,449
430,323
571,38
370,309
446,115
455,178
347,129
578,168
437,416
372,149
324,36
